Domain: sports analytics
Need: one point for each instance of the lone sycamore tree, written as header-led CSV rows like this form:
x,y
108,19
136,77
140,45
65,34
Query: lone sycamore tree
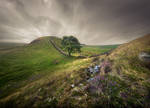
x,y
71,44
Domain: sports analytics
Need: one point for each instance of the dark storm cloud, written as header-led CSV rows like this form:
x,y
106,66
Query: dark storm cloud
x,y
92,21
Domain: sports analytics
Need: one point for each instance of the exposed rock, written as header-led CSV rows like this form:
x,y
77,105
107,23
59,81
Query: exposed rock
x,y
78,98
72,85
94,69
50,99
90,79
76,89
81,84
144,56
40,89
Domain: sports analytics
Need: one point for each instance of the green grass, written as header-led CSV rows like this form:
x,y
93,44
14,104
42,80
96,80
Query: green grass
x,y
42,74
22,63
94,50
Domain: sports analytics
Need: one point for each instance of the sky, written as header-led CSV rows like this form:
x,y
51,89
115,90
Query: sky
x,y
93,22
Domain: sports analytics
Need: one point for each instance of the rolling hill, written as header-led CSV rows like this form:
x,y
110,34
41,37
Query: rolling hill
x,y
127,57
43,77
133,71
22,65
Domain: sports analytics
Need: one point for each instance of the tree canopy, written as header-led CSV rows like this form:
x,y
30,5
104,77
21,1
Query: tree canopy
x,y
71,44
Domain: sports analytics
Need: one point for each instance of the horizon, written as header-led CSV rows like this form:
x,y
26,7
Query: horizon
x,y
61,38
92,22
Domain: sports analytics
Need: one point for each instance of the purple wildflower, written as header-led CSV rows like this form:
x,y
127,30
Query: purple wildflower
x,y
102,78
97,77
123,95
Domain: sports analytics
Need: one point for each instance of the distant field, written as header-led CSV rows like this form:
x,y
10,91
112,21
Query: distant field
x,y
94,50
10,45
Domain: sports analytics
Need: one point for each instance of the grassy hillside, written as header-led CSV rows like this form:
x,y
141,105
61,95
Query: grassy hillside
x,y
20,66
127,56
123,80
132,72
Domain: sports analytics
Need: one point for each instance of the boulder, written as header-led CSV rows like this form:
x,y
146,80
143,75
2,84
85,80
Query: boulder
x,y
145,58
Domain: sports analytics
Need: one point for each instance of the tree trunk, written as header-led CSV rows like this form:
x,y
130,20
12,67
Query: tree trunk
x,y
69,53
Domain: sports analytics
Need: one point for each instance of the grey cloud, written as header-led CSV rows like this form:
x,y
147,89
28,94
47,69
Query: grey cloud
x,y
92,21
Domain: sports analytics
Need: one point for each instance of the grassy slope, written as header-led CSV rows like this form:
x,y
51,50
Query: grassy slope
x,y
35,67
94,50
127,56
23,65
126,85
129,75
132,72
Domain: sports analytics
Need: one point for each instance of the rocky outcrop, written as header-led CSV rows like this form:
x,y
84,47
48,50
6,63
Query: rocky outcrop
x,y
145,58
